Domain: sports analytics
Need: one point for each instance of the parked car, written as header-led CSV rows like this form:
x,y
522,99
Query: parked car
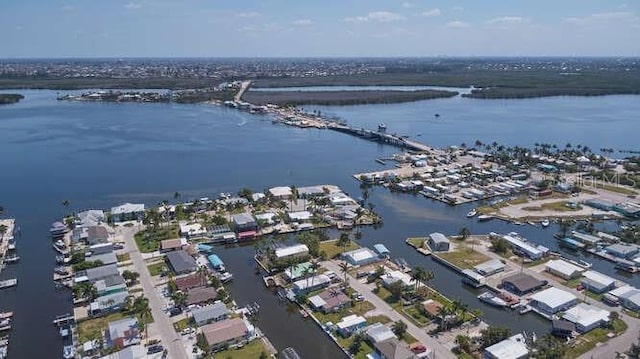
x,y
155,349
175,311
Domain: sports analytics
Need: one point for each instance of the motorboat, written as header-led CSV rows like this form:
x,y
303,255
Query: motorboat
x,y
484,217
544,223
492,299
68,352
225,277
472,213
585,264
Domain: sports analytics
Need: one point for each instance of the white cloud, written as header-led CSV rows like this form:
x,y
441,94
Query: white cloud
x,y
505,20
432,12
132,6
458,24
303,22
248,15
376,16
603,17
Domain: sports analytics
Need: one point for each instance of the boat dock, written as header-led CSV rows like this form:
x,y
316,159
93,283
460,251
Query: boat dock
x,y
8,283
7,241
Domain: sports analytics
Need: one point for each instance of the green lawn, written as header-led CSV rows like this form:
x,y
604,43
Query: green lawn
x,y
417,315
123,257
463,256
365,348
181,324
408,338
385,295
94,328
251,350
332,250
588,341
156,268
149,239
416,242
379,319
360,308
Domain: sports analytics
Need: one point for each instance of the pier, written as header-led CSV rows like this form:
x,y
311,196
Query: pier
x,y
380,136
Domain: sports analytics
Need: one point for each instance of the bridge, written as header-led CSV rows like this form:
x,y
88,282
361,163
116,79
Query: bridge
x,y
377,136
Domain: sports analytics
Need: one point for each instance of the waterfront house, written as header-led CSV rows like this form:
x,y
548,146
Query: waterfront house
x,y
299,216
105,258
122,333
431,307
472,278
587,239
514,347
521,246
131,352
169,245
360,256
438,242
521,284
99,248
244,225
297,271
192,230
97,234
597,282
89,218
392,276
227,333
109,285
341,199
586,317
552,300
563,269
628,209
490,267
391,349
382,250
350,324
266,218
193,280
294,251
181,262
310,284
630,299
94,274
211,313
281,192
378,332
330,300
127,212
107,303
622,250
201,295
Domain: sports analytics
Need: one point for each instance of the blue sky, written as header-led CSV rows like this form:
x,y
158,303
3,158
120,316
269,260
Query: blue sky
x,y
261,28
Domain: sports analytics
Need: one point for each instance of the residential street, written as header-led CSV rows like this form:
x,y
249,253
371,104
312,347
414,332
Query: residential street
x,y
383,308
162,324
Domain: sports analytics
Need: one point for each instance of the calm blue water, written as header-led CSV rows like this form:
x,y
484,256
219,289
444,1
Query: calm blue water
x,y
97,155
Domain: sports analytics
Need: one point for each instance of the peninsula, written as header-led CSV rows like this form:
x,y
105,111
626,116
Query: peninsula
x,y
9,98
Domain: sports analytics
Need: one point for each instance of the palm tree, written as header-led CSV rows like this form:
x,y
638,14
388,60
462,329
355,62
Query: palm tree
x,y
399,328
176,195
418,274
344,268
1,211
428,276
344,241
314,268
464,233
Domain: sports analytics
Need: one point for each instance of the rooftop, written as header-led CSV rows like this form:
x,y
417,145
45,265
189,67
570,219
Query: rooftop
x,y
586,315
181,261
224,330
553,297
510,348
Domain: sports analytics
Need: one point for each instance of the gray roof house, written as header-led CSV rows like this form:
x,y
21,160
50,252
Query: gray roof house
x,y
210,313
181,262
244,222
93,274
107,304
127,212
123,333
438,242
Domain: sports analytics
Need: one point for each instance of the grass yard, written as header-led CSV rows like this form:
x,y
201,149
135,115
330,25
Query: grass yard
x,y
408,338
156,268
360,308
379,319
181,324
149,239
123,257
417,315
463,257
416,242
385,295
365,348
332,249
94,328
251,350
588,341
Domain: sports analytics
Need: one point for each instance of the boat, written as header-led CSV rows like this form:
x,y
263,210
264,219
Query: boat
x,y
436,115
472,213
14,258
225,277
532,223
492,299
545,223
58,229
68,352
304,313
11,246
518,223
585,264
8,283
5,324
290,353
484,217
380,161
5,315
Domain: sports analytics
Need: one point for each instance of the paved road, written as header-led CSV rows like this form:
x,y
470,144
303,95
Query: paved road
x,y
170,339
383,308
243,88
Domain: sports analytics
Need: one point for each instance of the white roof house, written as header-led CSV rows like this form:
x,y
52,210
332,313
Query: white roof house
x,y
553,300
360,256
378,332
191,230
311,283
280,192
257,196
620,291
586,317
350,323
300,216
292,251
490,267
340,198
513,347
267,217
392,276
597,282
563,269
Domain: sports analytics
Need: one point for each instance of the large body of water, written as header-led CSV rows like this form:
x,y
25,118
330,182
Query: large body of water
x,y
97,155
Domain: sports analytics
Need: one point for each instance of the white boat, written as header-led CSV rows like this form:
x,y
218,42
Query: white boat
x,y
484,217
492,299
68,352
225,277
544,223
472,213
584,263
532,223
